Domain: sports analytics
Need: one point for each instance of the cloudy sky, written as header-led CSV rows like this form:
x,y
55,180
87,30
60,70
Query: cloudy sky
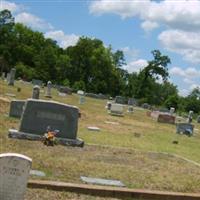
x,y
135,26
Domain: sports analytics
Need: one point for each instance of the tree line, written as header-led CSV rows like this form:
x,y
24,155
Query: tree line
x,y
89,65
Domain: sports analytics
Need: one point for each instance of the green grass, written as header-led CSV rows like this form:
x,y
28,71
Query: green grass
x,y
112,153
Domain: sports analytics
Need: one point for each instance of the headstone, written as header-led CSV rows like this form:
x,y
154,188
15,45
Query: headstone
x,y
37,82
14,173
101,181
114,123
146,106
190,116
39,114
36,92
185,128
108,105
166,118
120,100
172,110
16,108
117,109
8,77
37,173
81,99
48,92
66,90
11,79
62,94
93,128
80,92
3,76
130,109
198,119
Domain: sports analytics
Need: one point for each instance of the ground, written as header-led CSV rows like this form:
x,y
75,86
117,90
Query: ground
x,y
116,152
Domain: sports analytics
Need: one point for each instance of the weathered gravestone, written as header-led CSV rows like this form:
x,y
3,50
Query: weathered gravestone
x,y
3,76
81,99
14,173
39,114
108,105
16,108
117,109
198,119
37,82
11,78
7,77
66,90
166,118
130,109
185,128
48,91
36,92
190,115
172,110
120,100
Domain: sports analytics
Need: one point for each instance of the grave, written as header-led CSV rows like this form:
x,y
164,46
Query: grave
x,y
108,105
16,108
93,128
190,116
101,181
116,109
81,99
66,90
198,119
11,78
39,114
14,173
36,92
185,128
146,106
37,82
120,100
48,91
130,109
172,110
80,92
166,118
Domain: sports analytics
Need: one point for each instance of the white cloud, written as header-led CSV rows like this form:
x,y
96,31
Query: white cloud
x,y
193,86
183,14
184,43
130,52
188,73
13,7
184,92
33,21
180,18
62,39
136,66
149,25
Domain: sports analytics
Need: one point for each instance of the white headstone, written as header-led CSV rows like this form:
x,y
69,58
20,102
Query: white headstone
x,y
36,92
81,100
80,92
172,110
14,173
117,109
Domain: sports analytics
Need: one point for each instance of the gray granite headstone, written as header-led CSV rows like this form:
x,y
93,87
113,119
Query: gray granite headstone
x,y
36,92
185,128
116,109
39,114
172,110
16,108
11,79
14,173
120,100
48,91
37,82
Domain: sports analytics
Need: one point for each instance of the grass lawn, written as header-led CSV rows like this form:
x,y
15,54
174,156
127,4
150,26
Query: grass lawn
x,y
113,153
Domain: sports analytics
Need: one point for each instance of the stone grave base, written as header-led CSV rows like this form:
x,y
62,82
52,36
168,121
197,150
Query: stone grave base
x,y
116,113
15,134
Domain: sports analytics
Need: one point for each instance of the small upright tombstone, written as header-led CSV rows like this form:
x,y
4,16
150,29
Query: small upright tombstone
x,y
130,109
117,109
190,116
198,119
81,96
14,173
11,79
172,110
48,92
36,92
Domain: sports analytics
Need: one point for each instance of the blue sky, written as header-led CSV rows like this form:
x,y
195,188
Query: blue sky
x,y
135,26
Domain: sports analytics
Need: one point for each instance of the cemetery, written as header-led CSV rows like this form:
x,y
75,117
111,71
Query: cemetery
x,y
95,147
